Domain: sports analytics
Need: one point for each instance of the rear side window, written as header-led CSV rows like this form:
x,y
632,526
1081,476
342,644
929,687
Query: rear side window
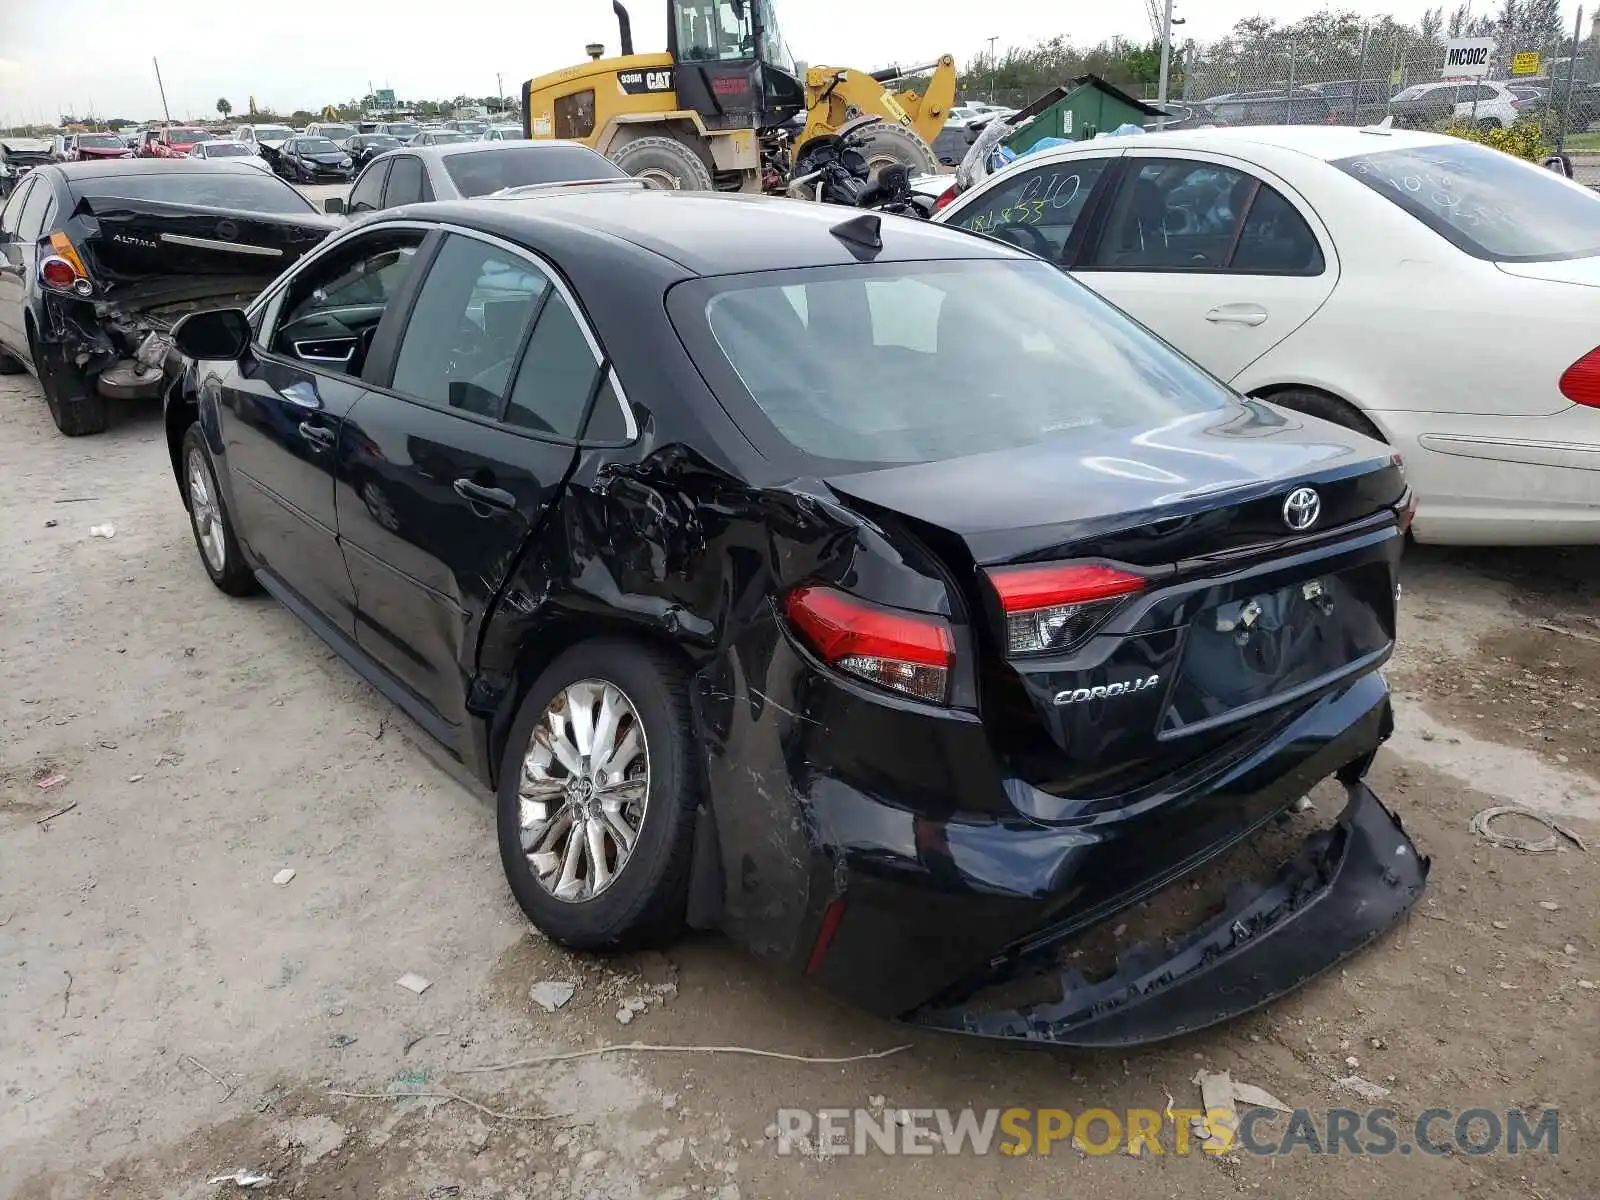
x,y
487,171
557,375
250,191
471,316
1485,203
575,115
952,358
31,225
1184,215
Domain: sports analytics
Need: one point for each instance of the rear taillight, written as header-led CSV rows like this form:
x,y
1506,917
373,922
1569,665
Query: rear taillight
x,y
62,267
1581,382
907,652
1053,609
946,198
1406,511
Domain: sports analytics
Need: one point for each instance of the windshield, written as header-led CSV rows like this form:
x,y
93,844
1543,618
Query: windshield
x,y
403,129
504,167
187,137
227,150
248,191
336,131
101,141
273,133
915,362
1486,203
316,145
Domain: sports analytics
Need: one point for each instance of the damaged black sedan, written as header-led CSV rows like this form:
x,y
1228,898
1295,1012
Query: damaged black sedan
x,y
874,593
99,260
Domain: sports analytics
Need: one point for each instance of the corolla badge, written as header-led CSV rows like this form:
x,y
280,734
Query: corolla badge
x,y
1110,691
1301,509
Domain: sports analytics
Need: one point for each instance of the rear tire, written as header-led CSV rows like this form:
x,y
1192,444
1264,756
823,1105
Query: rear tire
x,y
886,144
1329,408
643,900
76,410
1489,125
663,163
213,529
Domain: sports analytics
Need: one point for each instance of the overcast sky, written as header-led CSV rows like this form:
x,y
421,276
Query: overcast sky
x,y
58,56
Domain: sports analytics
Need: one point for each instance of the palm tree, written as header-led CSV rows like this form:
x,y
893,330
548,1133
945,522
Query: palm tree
x,y
224,108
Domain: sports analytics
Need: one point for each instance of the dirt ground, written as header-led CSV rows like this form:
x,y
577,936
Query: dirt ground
x,y
168,1014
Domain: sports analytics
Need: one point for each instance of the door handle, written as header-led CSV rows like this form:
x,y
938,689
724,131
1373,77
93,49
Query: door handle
x,y
479,496
1238,314
318,435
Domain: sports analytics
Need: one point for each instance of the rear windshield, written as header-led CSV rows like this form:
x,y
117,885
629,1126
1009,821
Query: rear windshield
x,y
336,131
227,150
517,166
273,133
403,129
916,362
100,141
187,137
248,191
1484,202
316,145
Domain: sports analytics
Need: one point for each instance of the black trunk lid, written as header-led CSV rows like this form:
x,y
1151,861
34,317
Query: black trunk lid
x,y
1241,618
146,252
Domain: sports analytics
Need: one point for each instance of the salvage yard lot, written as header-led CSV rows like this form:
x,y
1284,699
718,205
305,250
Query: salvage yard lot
x,y
168,1014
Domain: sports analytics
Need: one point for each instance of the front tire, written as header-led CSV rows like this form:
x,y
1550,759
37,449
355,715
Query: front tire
x,y
886,144
597,796
214,535
664,163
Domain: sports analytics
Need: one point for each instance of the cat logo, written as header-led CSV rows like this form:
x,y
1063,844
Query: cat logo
x,y
640,83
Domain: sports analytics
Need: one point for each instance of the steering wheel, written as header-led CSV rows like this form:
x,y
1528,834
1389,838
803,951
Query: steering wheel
x,y
1032,240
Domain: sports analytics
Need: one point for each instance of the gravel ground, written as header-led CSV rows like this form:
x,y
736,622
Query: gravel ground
x,y
169,1014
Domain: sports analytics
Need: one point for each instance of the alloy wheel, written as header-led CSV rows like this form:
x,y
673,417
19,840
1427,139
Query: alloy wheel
x,y
206,513
584,788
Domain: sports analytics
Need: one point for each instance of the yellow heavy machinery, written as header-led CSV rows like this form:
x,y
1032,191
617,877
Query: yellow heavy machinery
x,y
726,106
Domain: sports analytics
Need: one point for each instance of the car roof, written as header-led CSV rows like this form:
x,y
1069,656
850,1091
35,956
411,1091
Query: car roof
x,y
150,166
451,148
712,234
1325,142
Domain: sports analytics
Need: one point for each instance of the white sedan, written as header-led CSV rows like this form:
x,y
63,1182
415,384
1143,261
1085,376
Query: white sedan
x,y
1435,293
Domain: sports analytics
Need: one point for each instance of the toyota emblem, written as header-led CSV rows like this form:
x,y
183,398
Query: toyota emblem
x,y
1301,509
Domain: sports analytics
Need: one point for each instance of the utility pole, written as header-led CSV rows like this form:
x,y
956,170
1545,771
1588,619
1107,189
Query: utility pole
x,y
163,89
994,68
1166,64
499,93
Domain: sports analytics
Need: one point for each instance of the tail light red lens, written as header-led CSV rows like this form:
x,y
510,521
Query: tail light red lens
x,y
945,199
1406,510
1581,381
1052,609
911,653
57,273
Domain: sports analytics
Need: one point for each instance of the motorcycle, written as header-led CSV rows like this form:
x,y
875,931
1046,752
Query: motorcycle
x,y
836,168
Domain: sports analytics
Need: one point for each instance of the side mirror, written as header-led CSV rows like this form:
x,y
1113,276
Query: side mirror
x,y
333,206
217,335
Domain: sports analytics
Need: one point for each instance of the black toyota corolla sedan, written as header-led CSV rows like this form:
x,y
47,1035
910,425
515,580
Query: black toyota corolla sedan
x,y
870,591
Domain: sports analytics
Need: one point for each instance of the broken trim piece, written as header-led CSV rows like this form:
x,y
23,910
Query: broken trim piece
x,y
1344,888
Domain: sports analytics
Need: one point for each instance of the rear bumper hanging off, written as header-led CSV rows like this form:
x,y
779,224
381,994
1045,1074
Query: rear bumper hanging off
x,y
1344,887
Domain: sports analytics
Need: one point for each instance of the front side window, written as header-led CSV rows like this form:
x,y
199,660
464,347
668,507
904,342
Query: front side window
x,y
331,310
957,358
1485,203
467,328
1038,209
367,195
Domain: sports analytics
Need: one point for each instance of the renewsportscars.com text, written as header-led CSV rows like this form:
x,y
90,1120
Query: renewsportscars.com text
x,y
1096,1131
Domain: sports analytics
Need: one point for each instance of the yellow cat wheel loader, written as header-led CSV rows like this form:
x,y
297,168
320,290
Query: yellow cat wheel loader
x,y
727,107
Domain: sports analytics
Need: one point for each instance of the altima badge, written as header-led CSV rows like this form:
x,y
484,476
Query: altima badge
x,y
1109,692
1301,509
